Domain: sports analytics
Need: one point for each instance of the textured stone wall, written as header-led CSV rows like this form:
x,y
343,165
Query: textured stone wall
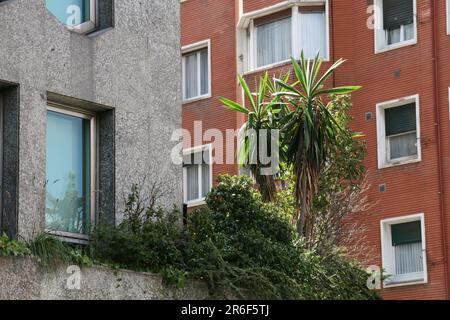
x,y
133,68
24,278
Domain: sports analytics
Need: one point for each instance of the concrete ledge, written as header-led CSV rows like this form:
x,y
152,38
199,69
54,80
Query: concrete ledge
x,y
24,278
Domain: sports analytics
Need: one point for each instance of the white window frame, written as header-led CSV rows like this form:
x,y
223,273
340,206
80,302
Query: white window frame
x,y
380,35
197,149
204,44
447,11
387,250
69,236
246,35
382,143
89,25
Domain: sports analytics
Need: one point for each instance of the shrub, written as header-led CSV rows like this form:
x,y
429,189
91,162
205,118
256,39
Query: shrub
x,y
10,247
150,242
244,246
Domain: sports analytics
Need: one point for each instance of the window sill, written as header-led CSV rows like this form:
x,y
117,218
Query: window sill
x,y
196,203
276,65
404,282
398,163
269,66
396,46
69,237
199,98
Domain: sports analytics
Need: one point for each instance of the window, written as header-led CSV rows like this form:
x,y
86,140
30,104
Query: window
x,y
395,23
70,173
77,15
197,174
403,250
448,16
9,157
196,71
273,41
398,132
276,37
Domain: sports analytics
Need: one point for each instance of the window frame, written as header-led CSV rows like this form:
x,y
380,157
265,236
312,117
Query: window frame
x,y
380,35
387,250
83,114
247,36
382,143
447,17
197,149
89,25
196,47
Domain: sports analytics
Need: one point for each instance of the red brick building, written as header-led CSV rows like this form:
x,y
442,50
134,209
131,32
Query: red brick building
x,y
399,51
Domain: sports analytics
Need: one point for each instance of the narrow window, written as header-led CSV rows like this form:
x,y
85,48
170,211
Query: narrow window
x,y
197,176
401,132
276,37
196,74
403,250
395,23
69,173
273,42
312,29
398,131
398,20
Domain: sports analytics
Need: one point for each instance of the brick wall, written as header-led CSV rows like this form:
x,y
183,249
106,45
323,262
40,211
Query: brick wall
x,y
412,188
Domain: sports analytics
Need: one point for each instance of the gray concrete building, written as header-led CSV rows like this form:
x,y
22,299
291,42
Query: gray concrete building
x,y
89,99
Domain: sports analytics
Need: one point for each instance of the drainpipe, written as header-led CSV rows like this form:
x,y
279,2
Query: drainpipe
x,y
435,35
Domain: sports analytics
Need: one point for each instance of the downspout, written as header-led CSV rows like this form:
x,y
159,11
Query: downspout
x,y
435,36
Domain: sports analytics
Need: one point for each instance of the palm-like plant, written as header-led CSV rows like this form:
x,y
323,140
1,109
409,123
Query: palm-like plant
x,y
308,130
262,115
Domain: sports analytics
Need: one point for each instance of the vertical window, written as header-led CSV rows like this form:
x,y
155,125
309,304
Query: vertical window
x,y
197,175
69,173
312,29
395,22
276,37
403,249
273,41
196,73
401,132
398,132
77,15
448,16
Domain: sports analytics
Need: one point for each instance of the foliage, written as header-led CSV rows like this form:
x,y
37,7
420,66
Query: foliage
x,y
241,246
244,246
148,239
307,115
50,251
261,120
10,247
341,190
309,131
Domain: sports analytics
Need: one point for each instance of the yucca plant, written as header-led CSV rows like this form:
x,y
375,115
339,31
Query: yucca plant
x,y
309,130
262,114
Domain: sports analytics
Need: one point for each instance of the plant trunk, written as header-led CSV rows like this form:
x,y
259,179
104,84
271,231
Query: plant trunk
x,y
303,208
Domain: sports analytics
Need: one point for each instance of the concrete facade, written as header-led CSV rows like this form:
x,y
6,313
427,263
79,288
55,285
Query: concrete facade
x,y
128,74
24,279
420,68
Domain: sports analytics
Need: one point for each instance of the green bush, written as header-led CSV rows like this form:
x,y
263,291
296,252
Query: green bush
x,y
243,246
150,244
10,247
